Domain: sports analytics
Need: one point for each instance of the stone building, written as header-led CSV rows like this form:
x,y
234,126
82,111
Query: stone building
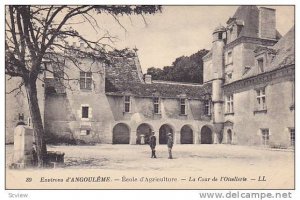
x,y
247,97
116,105
252,70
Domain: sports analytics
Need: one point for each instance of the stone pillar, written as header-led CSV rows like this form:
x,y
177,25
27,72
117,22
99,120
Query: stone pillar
x,y
197,137
133,137
176,137
215,138
23,145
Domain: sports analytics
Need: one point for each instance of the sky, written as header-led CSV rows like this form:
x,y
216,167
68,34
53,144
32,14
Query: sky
x,y
176,31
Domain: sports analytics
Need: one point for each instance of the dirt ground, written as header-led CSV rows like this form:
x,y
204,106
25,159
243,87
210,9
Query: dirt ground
x,y
193,167
187,157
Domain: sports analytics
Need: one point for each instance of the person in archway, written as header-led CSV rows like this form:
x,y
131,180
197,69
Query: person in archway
x,y
152,143
170,145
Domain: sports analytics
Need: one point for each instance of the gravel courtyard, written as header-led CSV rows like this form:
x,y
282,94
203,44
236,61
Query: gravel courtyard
x,y
193,166
187,157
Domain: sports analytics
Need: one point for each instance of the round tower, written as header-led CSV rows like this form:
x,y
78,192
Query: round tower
x,y
219,36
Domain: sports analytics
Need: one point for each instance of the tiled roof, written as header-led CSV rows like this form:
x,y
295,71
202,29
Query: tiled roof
x,y
283,51
122,78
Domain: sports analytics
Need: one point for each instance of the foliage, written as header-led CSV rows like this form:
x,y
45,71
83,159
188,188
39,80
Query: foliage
x,y
183,69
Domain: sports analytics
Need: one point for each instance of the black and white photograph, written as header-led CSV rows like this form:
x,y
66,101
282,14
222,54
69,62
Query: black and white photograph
x,y
172,97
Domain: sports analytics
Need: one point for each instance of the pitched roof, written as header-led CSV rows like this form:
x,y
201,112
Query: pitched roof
x,y
284,54
250,16
285,50
122,78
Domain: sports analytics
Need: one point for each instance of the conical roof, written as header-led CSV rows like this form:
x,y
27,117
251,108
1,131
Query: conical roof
x,y
219,28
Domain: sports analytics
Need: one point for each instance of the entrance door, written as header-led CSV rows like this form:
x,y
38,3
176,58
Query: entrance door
x,y
143,133
206,135
121,134
186,135
163,131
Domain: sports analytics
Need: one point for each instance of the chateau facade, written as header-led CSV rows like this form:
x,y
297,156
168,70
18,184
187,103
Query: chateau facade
x,y
247,97
252,70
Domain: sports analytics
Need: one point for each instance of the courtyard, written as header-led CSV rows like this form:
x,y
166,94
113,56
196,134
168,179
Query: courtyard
x,y
199,162
187,157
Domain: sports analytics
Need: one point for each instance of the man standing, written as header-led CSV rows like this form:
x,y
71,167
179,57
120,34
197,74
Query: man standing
x,y
170,145
152,143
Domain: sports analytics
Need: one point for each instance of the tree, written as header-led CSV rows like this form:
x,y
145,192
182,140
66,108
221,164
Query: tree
x,y
183,69
36,35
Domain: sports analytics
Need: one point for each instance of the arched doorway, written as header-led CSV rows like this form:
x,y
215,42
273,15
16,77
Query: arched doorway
x,y
121,134
163,131
229,136
186,135
143,133
206,135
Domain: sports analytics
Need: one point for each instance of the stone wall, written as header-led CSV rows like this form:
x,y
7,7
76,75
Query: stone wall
x,y
278,117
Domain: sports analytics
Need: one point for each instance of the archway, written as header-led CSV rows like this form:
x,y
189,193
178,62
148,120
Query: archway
x,y
121,134
163,131
186,135
206,135
229,136
143,130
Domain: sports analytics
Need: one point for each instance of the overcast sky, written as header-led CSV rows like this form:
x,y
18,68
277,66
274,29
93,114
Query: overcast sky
x,y
177,31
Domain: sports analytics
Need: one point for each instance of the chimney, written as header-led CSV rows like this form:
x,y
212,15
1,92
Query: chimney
x,y
267,23
148,79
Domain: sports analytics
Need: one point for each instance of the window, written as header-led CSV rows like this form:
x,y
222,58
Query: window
x,y
127,104
86,80
21,117
261,99
156,105
265,136
292,136
85,132
260,64
220,35
183,106
84,112
229,103
229,57
207,108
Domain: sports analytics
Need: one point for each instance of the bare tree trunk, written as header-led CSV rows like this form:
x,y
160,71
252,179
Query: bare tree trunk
x,y
36,121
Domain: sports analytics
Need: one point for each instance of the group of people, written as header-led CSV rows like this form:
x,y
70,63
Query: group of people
x,y
152,143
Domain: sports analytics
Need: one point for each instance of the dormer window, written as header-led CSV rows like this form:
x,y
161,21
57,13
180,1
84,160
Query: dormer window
x,y
127,104
156,106
260,64
220,35
207,108
183,106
